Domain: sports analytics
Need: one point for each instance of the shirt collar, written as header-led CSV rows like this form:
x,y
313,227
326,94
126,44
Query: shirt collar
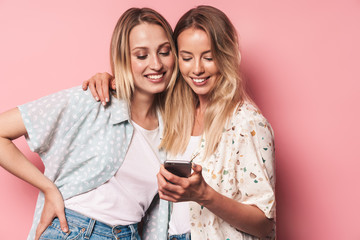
x,y
119,109
120,112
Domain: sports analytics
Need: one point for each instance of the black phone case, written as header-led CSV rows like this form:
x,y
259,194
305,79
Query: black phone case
x,y
181,169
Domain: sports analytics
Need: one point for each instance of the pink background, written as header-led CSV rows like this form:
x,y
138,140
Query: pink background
x,y
302,62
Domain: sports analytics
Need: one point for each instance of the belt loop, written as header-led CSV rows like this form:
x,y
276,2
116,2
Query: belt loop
x,y
133,232
188,236
89,229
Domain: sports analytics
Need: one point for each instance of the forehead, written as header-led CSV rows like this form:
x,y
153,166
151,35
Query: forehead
x,y
193,38
147,35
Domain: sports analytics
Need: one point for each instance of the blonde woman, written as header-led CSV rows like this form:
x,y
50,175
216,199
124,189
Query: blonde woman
x,y
100,163
210,118
231,191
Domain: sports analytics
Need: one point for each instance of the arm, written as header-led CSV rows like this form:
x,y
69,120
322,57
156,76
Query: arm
x,y
11,159
246,218
99,86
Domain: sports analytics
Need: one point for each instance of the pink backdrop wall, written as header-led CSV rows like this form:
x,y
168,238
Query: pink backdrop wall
x,y
302,62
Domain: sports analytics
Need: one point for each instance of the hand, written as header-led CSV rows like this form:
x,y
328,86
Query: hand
x,y
177,189
53,207
99,86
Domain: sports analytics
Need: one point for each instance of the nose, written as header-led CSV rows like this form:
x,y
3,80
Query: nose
x,y
198,68
155,63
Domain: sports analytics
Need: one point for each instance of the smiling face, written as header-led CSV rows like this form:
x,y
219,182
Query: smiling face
x,y
152,61
196,62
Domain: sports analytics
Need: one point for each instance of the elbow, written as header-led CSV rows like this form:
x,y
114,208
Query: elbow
x,y
266,228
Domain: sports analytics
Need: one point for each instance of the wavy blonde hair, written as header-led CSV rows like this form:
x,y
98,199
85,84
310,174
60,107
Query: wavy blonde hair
x,y
227,93
120,51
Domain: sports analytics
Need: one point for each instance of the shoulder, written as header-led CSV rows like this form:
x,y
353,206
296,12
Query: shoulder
x,y
78,94
77,99
248,118
74,94
247,114
69,101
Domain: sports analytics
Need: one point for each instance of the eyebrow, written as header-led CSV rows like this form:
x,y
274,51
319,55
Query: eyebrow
x,y
144,48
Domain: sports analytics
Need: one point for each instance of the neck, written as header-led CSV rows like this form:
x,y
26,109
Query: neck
x,y
143,111
198,127
203,102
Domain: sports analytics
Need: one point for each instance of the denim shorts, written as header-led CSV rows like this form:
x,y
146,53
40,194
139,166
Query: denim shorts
x,y
185,236
84,228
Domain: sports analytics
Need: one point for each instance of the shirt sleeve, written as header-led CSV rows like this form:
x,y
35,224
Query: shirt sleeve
x,y
43,118
256,169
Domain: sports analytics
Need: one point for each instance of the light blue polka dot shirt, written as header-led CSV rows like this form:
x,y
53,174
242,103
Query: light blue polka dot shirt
x,y
82,145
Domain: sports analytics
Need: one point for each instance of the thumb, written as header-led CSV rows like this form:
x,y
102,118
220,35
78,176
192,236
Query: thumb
x,y
63,222
85,85
196,168
113,84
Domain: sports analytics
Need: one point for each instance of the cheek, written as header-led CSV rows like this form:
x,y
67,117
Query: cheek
x,y
169,62
212,68
183,67
137,67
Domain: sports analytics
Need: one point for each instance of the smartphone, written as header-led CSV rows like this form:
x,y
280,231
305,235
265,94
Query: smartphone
x,y
181,168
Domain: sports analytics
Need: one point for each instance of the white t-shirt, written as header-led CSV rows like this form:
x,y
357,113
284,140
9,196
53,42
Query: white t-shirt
x,y
180,215
126,196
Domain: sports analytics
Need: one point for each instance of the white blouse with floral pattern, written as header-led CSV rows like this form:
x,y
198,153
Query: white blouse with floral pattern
x,y
242,168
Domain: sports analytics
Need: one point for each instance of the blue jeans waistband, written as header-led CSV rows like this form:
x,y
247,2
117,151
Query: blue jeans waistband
x,y
93,226
185,236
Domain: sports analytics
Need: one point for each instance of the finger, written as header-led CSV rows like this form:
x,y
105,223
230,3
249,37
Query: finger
x,y
93,91
169,187
40,229
46,219
113,84
85,85
169,176
63,222
99,90
172,194
166,197
160,178
165,185
105,90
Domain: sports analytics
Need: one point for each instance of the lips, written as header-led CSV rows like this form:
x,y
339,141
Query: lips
x,y
199,81
155,77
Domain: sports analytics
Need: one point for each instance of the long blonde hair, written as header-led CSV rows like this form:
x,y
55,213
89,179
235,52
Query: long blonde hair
x,y
120,51
228,92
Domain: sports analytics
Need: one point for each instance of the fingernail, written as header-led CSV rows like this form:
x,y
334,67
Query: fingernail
x,y
65,229
104,103
97,99
106,100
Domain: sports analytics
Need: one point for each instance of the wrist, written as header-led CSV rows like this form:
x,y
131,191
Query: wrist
x,y
207,196
49,188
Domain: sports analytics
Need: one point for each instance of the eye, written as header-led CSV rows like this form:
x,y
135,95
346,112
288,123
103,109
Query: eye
x,y
208,58
142,57
186,59
167,53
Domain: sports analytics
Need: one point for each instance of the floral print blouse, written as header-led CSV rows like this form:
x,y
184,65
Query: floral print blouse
x,y
242,168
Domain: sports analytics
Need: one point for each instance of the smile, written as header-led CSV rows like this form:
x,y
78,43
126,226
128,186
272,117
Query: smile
x,y
200,80
155,76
